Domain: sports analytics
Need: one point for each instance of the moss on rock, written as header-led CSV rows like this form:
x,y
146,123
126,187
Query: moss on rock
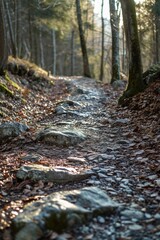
x,y
4,89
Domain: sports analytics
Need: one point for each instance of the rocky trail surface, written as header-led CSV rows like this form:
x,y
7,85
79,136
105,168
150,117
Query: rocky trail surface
x,y
81,167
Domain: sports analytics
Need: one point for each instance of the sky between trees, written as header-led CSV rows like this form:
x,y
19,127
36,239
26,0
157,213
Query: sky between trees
x,y
106,7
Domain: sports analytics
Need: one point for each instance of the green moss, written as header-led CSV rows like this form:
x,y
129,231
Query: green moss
x,y
152,74
4,89
15,85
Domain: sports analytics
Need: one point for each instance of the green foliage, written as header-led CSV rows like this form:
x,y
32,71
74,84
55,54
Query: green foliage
x,y
52,14
152,74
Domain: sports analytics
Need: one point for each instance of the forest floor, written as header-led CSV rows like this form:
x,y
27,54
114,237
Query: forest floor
x,y
128,136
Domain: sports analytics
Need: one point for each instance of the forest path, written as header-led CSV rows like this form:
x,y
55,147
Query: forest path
x,y
113,151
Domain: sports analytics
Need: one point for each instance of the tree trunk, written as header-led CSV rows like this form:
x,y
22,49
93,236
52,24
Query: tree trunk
x,y
18,27
102,44
54,51
86,70
72,52
114,18
3,40
135,82
157,28
10,28
31,32
41,47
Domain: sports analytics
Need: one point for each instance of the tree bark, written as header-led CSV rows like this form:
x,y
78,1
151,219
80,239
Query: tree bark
x,y
72,52
54,51
86,69
41,48
114,19
102,44
135,82
157,28
10,28
3,40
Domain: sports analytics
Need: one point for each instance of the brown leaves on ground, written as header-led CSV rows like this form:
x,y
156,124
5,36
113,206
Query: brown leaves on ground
x,y
36,103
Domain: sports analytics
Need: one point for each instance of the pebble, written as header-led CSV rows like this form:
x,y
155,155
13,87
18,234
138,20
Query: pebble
x,y
32,158
123,142
101,175
92,157
100,219
96,169
76,159
93,177
90,182
132,214
157,216
135,227
147,215
107,156
97,183
104,171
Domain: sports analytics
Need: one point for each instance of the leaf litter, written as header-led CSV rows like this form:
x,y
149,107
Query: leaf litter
x,y
132,176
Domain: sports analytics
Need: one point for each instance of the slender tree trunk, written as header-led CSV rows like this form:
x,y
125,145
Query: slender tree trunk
x,y
41,47
157,28
93,17
18,27
30,34
114,16
3,40
54,51
102,44
10,28
86,69
72,52
135,82
123,51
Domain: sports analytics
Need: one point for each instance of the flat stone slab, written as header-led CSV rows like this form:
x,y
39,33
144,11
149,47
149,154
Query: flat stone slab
x,y
61,136
37,172
62,210
10,130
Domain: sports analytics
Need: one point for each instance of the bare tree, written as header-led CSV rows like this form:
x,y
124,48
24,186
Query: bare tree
x,y
3,40
114,19
54,51
157,28
135,82
86,69
102,44
72,51
10,29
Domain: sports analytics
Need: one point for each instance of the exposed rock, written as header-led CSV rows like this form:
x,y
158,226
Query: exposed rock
x,y
135,227
48,174
11,129
30,231
79,90
132,213
61,136
67,106
64,210
118,84
31,157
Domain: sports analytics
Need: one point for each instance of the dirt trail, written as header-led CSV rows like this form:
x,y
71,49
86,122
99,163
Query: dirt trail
x,y
119,156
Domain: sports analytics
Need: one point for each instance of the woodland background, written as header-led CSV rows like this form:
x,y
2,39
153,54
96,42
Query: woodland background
x,y
46,33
